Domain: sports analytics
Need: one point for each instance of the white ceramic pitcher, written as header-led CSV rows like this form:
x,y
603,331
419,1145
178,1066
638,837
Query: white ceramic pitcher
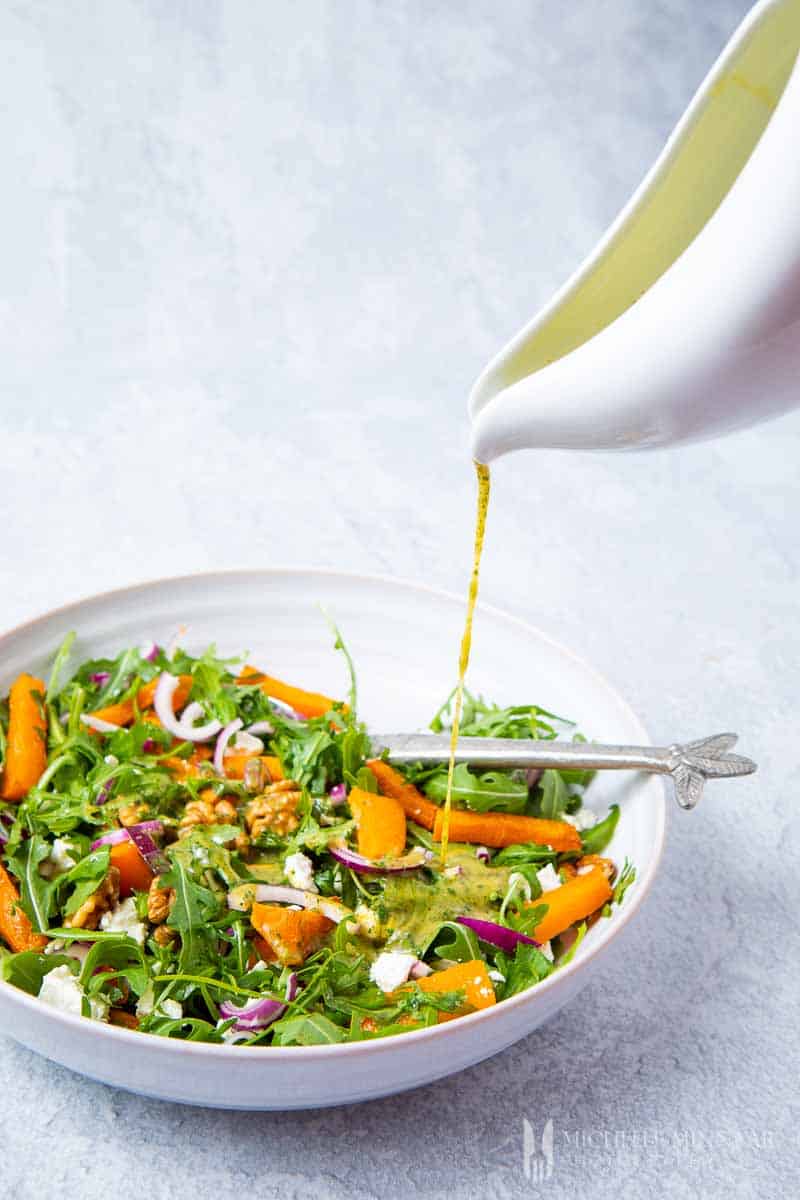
x,y
684,323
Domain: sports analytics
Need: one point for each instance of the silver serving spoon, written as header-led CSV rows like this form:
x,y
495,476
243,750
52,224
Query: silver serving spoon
x,y
690,765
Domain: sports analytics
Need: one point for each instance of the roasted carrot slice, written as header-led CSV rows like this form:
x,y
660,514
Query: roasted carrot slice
x,y
126,1020
134,873
308,704
290,934
26,748
236,763
381,824
15,928
572,902
123,713
507,829
470,977
391,783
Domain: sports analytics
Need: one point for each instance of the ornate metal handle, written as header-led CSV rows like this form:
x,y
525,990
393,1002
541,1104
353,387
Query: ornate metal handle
x,y
690,765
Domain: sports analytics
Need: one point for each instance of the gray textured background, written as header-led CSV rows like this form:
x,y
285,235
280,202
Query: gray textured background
x,y
253,255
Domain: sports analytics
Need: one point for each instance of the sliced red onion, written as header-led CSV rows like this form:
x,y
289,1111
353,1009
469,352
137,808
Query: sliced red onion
x,y
419,970
149,651
272,893
412,861
260,727
258,1013
115,836
497,935
150,852
98,724
101,678
180,728
149,746
338,793
104,793
222,741
245,743
482,854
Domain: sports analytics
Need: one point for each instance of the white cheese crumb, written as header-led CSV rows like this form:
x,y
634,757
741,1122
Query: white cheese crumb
x,y
391,969
111,760
548,878
60,989
497,976
58,861
171,1009
584,818
123,919
299,870
368,923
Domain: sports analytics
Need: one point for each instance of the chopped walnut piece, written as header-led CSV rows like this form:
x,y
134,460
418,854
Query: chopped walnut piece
x,y
89,914
159,901
164,935
225,811
131,814
274,810
197,812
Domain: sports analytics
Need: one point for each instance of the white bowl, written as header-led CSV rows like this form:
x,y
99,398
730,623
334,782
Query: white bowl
x,y
404,639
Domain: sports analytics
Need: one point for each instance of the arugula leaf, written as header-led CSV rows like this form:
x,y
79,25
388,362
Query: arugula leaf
x,y
308,1029
527,967
480,719
124,956
522,853
595,840
59,662
553,795
35,891
495,791
453,940
339,644
85,878
27,969
627,876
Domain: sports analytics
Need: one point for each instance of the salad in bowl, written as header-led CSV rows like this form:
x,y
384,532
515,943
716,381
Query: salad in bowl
x,y
194,849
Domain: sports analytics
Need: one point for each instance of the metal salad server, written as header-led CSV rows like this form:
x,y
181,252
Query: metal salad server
x,y
690,764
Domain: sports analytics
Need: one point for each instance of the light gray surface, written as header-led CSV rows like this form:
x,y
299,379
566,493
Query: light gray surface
x,y
252,257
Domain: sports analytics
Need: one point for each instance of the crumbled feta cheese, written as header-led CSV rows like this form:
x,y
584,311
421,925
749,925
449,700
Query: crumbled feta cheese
x,y
146,1001
497,976
453,872
299,870
584,818
368,923
58,861
123,919
111,760
164,1008
548,878
391,969
61,989
547,950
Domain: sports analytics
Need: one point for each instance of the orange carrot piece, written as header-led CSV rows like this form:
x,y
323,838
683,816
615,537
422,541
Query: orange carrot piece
x,y
123,713
15,928
134,873
571,902
381,824
26,747
125,1020
507,829
236,763
308,704
291,934
470,977
391,783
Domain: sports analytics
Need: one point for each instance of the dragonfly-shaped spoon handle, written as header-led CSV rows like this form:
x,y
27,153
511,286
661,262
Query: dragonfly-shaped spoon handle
x,y
690,764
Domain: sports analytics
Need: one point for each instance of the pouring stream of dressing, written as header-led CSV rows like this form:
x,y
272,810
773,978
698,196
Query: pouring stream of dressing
x,y
484,485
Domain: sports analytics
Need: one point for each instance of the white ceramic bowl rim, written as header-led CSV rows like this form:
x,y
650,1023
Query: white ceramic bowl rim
x,y
347,1050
